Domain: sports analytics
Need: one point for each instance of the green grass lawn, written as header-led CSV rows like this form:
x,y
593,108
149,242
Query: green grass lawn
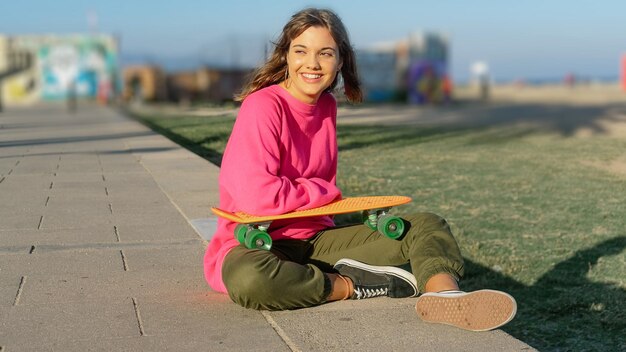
x,y
537,213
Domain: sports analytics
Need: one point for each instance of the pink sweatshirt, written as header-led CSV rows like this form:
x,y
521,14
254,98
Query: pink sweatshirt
x,y
281,156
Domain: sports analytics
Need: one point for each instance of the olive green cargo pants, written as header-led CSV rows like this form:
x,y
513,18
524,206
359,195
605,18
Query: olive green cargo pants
x,y
291,275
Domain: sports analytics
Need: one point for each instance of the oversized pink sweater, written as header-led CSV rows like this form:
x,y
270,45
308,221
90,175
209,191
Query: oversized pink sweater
x,y
281,156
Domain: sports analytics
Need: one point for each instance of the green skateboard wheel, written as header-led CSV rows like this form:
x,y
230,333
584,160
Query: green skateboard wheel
x,y
240,233
391,226
258,239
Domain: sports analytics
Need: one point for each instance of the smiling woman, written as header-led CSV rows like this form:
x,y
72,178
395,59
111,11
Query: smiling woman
x,y
282,157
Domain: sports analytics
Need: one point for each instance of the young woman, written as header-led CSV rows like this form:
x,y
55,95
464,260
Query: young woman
x,y
282,156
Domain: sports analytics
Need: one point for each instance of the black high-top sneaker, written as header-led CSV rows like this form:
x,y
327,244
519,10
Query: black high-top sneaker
x,y
373,281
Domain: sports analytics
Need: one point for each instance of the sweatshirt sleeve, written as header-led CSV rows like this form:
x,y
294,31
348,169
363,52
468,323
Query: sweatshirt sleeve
x,y
250,171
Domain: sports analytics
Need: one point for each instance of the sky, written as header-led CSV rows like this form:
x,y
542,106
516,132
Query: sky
x,y
519,40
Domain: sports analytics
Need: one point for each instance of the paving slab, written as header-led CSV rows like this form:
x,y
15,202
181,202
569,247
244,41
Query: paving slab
x,y
97,287
73,262
18,220
154,233
76,221
9,287
42,324
34,237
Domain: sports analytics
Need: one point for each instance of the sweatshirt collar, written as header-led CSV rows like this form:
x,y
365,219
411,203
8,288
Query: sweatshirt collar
x,y
296,104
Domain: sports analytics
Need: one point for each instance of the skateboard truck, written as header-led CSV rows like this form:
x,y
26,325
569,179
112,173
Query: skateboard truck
x,y
388,225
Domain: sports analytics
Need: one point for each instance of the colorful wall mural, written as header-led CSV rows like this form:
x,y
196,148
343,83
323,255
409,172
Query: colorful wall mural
x,y
85,66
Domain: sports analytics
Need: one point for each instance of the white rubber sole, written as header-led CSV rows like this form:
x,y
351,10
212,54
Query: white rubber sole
x,y
481,310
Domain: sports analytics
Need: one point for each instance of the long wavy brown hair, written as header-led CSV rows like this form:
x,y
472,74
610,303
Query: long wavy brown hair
x,y
275,68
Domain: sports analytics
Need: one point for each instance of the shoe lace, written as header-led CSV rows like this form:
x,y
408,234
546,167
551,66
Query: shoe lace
x,y
362,293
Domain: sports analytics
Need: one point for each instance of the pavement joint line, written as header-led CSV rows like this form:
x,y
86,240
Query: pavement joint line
x,y
40,222
281,333
47,248
124,262
32,250
47,201
138,316
20,288
117,233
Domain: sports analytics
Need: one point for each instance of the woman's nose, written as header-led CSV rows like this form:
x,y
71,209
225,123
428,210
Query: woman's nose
x,y
313,62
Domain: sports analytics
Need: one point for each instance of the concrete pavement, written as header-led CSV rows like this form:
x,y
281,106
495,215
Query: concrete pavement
x,y
103,225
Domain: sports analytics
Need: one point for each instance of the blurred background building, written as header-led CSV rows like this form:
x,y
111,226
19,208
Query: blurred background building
x,y
207,84
149,83
414,69
144,83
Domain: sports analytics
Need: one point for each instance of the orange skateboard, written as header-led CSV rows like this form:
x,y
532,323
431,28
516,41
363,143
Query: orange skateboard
x,y
252,229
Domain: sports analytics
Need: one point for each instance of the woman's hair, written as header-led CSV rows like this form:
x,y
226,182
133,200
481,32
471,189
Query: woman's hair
x,y
275,68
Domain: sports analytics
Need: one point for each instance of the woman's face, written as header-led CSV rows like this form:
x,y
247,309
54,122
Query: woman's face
x,y
313,62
